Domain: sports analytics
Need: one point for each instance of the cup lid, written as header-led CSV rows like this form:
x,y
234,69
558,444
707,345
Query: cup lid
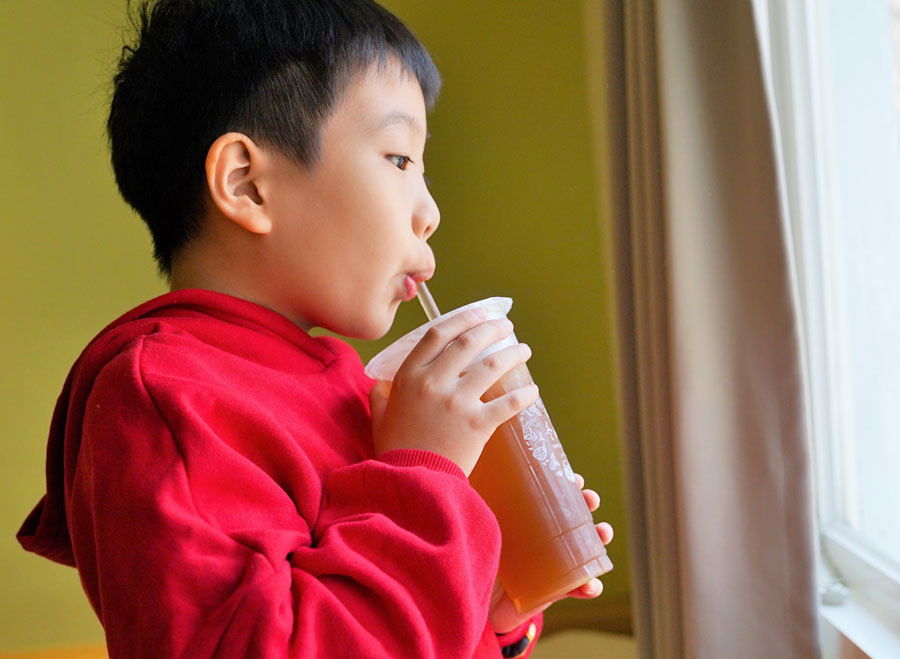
x,y
385,364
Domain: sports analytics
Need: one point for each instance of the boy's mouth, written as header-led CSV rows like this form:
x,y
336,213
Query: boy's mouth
x,y
410,286
411,283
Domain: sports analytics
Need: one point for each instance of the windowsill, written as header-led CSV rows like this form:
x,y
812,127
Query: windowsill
x,y
854,630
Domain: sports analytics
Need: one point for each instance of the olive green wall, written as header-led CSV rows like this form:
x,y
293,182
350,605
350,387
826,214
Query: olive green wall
x,y
73,257
511,168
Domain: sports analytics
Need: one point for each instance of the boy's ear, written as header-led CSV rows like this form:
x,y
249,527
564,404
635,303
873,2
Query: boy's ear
x,y
233,167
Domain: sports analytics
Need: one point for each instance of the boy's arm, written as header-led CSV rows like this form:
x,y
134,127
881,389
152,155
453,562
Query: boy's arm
x,y
186,548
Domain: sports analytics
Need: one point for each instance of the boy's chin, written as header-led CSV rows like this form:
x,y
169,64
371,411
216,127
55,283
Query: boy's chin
x,y
371,329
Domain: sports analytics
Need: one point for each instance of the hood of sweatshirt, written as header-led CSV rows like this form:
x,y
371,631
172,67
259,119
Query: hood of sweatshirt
x,y
46,529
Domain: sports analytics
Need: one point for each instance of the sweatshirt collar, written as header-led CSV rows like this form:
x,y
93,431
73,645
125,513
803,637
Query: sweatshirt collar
x,y
233,309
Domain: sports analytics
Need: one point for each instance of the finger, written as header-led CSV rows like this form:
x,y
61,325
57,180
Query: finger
x,y
606,532
592,499
509,404
378,398
498,594
440,335
482,375
590,590
580,480
462,351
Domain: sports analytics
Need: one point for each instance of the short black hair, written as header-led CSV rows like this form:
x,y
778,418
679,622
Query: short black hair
x,y
272,69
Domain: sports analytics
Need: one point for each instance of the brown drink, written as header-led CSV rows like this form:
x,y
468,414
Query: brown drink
x,y
550,545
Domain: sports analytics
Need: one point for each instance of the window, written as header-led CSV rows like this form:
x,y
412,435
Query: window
x,y
835,66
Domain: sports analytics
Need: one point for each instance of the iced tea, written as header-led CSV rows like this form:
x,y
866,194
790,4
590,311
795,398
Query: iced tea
x,y
550,545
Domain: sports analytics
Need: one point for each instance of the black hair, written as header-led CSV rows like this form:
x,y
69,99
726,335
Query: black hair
x,y
272,69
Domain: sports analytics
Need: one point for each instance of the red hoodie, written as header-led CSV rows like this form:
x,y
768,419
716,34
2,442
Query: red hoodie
x,y
210,474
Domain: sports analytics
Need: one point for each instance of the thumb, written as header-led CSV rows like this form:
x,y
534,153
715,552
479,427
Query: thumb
x,y
378,399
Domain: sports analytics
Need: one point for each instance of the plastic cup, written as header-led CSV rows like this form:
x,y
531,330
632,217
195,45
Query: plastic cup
x,y
550,545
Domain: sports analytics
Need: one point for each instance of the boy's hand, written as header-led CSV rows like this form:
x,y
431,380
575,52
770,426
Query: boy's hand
x,y
505,617
435,398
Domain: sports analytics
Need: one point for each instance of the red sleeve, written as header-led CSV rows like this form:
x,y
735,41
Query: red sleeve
x,y
187,547
519,643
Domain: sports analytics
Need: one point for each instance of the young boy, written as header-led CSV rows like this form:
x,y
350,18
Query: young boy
x,y
226,484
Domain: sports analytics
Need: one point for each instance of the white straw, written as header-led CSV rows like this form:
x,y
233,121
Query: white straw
x,y
427,301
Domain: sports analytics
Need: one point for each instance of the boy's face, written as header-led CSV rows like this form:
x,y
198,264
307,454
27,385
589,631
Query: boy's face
x,y
349,234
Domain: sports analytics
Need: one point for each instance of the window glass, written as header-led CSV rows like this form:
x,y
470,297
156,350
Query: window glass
x,y
861,266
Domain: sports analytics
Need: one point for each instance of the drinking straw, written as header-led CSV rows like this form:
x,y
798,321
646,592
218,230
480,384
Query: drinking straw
x,y
427,301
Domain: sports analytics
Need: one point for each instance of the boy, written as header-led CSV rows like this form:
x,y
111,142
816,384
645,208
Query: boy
x,y
226,484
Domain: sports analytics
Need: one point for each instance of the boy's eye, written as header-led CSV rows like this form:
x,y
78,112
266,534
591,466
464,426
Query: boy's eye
x,y
400,162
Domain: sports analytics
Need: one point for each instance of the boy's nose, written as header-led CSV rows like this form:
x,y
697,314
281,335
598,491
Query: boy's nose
x,y
427,216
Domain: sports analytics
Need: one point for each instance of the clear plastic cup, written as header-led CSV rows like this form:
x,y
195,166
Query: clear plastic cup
x,y
550,545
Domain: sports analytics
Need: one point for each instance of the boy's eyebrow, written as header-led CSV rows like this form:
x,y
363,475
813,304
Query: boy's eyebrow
x,y
399,117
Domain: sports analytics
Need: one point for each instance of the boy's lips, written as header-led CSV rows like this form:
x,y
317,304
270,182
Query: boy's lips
x,y
411,282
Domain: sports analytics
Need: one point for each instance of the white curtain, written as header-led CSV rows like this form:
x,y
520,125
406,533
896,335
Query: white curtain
x,y
717,455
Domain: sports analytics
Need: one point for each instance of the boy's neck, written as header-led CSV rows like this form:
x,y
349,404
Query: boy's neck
x,y
193,268
217,264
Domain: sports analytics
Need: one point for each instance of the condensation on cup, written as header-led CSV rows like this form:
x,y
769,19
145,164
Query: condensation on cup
x,y
550,545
